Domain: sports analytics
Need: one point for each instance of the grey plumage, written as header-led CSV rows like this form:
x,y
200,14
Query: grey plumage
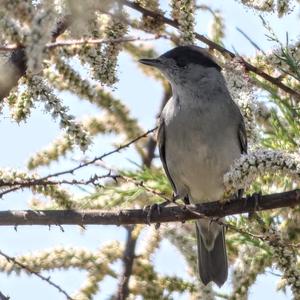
x,y
201,132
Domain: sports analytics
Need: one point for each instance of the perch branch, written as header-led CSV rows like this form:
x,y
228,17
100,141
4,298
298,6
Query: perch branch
x,y
139,216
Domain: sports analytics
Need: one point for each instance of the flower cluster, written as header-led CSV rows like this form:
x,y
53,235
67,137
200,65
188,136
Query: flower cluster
x,y
85,13
60,146
151,242
262,5
40,90
69,79
97,264
11,31
286,259
57,149
22,105
251,261
243,93
42,26
149,23
98,268
18,9
281,6
104,66
251,166
184,12
262,115
217,28
61,198
56,258
89,53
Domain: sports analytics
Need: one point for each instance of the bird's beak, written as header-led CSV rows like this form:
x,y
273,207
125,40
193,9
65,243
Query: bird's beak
x,y
153,62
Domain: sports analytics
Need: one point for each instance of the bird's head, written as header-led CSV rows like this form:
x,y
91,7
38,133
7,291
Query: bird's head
x,y
184,64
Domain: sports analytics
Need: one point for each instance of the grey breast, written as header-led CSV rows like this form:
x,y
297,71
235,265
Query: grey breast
x,y
201,143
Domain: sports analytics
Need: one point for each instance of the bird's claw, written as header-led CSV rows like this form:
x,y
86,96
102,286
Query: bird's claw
x,y
150,209
214,219
256,197
239,195
175,197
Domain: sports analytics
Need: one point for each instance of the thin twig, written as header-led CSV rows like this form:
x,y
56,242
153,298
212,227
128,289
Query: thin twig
x,y
29,270
68,43
99,158
28,183
42,180
249,67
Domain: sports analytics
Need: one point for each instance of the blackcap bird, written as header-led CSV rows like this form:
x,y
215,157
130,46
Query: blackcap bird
x,y
201,133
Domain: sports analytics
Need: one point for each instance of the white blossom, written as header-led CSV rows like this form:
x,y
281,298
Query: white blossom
x,y
243,93
184,13
250,166
53,105
40,33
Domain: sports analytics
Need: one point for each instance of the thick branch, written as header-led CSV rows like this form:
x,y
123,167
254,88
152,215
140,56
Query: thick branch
x,y
212,45
139,216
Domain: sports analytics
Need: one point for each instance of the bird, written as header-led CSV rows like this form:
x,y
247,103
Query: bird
x,y
201,132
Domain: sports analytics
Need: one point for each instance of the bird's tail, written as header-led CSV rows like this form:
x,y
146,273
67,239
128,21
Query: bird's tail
x,y
212,256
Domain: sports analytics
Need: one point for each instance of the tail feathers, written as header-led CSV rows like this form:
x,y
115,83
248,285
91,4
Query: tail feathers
x,y
212,264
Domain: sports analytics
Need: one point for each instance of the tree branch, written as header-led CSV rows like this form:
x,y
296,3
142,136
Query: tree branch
x,y
128,258
68,43
139,216
15,185
213,45
99,158
2,297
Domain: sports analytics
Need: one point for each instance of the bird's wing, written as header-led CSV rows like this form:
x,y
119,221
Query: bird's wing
x,y
242,137
161,139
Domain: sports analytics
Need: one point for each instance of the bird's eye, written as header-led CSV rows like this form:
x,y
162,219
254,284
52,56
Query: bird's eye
x,y
181,62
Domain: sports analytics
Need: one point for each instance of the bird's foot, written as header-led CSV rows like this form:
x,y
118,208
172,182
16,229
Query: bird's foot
x,y
186,200
215,220
238,195
151,209
256,197
155,208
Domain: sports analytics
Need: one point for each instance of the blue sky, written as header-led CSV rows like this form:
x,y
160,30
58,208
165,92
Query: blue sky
x,y
142,95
